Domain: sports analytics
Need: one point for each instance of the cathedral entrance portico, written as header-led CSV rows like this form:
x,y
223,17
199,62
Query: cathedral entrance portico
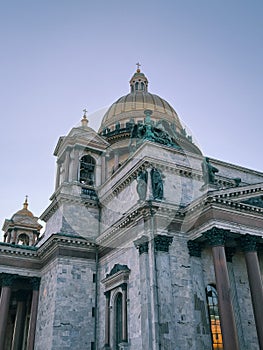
x,y
18,310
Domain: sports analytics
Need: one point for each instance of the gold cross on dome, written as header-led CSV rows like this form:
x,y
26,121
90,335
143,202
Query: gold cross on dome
x,y
138,65
85,112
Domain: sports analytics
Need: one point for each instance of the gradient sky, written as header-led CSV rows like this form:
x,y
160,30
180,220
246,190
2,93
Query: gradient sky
x,y
58,57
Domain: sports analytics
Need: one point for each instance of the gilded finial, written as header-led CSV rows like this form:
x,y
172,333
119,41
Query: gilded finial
x,y
25,204
84,120
138,67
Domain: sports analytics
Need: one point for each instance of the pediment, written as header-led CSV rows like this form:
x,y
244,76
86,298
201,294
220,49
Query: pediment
x,y
241,197
82,136
254,201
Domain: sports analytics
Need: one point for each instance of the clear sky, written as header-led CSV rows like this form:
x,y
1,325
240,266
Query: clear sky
x,y
58,57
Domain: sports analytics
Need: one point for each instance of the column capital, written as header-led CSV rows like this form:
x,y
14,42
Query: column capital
x,y
194,248
142,245
7,279
216,236
248,243
162,243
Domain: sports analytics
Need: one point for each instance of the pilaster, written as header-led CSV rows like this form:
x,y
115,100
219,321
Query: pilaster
x,y
164,291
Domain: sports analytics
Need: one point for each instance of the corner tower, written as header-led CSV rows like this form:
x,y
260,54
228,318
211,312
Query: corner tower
x,y
74,206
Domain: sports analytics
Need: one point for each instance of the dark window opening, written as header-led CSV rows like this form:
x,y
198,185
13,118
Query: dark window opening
x,y
87,170
23,239
118,320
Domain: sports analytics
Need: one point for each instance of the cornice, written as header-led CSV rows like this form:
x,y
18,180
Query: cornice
x,y
35,258
59,198
18,250
140,210
227,200
65,240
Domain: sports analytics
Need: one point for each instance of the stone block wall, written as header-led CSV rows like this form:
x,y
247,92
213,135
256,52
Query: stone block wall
x,y
67,296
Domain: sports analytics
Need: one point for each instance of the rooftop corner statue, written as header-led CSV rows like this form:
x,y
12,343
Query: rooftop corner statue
x,y
209,171
143,237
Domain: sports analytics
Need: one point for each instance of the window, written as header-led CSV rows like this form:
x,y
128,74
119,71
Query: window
x,y
23,239
212,303
116,320
87,170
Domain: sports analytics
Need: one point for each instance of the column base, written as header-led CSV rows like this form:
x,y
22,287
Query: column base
x,y
123,346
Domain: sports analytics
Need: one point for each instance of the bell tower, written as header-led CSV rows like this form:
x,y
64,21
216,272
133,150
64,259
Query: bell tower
x,y
74,204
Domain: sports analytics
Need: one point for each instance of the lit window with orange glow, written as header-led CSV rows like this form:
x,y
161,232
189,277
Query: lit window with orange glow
x,y
212,303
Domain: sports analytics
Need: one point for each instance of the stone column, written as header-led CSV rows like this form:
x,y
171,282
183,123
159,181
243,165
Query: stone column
x,y
107,321
6,282
164,291
216,238
103,168
249,247
19,321
35,282
58,175
75,166
66,166
9,236
202,336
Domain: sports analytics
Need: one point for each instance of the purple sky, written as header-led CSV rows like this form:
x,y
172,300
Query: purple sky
x,y
58,57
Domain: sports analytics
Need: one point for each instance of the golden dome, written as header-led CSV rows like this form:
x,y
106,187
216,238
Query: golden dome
x,y
132,106
23,212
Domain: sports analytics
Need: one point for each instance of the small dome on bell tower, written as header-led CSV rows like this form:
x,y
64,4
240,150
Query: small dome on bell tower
x,y
23,227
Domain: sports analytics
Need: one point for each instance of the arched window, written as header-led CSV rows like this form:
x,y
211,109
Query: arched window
x,y
87,170
23,239
118,320
142,86
137,86
212,303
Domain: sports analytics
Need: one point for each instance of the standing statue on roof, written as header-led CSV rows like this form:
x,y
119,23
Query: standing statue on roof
x,y
208,171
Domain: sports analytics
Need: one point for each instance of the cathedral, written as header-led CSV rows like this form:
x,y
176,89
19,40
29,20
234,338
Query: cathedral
x,y
148,244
